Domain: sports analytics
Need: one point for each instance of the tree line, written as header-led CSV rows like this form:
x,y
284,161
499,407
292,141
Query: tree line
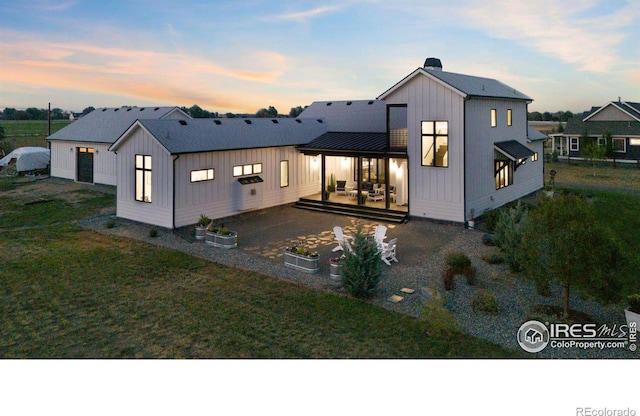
x,y
195,111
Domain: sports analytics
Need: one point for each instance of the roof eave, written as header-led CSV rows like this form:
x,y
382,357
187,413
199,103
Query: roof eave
x,y
413,75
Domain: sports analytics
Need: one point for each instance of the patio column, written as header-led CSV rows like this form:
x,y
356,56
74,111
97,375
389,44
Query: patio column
x,y
323,181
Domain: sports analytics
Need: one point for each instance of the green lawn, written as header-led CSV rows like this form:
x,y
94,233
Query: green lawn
x,y
71,292
30,132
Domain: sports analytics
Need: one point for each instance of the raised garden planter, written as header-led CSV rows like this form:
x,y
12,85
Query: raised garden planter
x,y
305,263
200,232
335,268
226,241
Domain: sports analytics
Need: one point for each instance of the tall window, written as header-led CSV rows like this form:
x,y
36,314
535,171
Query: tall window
x,y
284,173
509,117
143,178
574,144
503,170
435,143
494,117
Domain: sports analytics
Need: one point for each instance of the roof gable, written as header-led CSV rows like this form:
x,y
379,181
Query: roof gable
x,y
614,111
464,85
105,125
208,135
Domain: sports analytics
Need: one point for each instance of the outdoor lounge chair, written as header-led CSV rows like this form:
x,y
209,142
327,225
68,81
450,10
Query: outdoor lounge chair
x,y
341,187
380,234
388,252
337,230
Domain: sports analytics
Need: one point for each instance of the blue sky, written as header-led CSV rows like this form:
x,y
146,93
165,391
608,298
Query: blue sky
x,y
240,56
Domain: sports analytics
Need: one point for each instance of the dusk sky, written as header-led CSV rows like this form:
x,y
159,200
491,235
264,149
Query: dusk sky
x,y
240,56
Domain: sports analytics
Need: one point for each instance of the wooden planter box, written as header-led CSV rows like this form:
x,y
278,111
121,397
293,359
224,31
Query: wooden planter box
x,y
304,263
222,241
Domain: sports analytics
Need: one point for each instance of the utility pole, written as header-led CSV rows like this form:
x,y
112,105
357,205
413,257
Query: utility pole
x,y
49,117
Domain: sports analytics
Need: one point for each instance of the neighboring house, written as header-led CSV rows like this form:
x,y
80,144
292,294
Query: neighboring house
x,y
620,118
79,151
436,145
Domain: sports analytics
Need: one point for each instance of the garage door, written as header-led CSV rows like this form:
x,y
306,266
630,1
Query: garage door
x,y
85,164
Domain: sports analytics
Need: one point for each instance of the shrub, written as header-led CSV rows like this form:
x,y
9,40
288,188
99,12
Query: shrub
x,y
153,233
634,303
457,262
470,275
485,301
508,234
447,279
204,221
361,266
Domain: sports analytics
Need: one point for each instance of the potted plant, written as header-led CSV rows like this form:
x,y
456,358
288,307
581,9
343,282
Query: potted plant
x,y
201,226
632,313
332,183
220,236
299,257
326,194
335,267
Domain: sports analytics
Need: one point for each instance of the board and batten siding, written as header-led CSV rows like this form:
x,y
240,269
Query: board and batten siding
x,y
434,192
220,197
481,192
160,210
64,161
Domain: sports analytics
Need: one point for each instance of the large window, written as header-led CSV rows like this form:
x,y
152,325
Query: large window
x,y
503,170
143,178
284,173
203,175
435,143
249,169
494,117
619,144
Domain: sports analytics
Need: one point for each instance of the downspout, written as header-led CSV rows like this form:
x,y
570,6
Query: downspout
x,y
173,190
464,158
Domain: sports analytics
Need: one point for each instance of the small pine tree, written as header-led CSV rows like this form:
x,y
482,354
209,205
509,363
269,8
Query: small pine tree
x,y
508,233
361,265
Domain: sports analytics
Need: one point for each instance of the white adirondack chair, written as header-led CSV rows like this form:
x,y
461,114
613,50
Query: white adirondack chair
x,y
380,234
388,252
337,230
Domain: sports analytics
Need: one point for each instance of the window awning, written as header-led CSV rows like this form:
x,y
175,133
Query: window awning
x,y
514,150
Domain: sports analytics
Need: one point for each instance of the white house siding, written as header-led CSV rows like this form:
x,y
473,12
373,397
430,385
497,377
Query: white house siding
x,y
220,198
64,163
159,210
434,192
481,192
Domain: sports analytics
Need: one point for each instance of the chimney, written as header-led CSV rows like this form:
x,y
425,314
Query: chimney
x,y
433,63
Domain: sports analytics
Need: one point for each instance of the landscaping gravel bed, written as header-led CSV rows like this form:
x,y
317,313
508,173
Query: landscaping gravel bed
x,y
421,252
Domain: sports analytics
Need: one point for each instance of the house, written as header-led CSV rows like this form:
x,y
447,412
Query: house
x,y
171,171
79,150
435,145
619,118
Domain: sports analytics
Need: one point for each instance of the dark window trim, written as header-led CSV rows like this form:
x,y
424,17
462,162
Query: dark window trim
x,y
202,170
494,117
288,175
435,139
143,169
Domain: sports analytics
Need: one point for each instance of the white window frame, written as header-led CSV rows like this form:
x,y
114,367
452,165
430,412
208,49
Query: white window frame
x,y
574,141
624,142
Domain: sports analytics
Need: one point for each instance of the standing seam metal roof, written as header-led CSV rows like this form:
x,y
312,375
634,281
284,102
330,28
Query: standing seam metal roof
x,y
206,135
105,125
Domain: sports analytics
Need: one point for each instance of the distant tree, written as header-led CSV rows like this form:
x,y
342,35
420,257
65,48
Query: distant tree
x,y
270,112
87,110
59,114
1,133
566,116
196,112
295,111
10,113
563,241
230,115
546,116
608,144
535,116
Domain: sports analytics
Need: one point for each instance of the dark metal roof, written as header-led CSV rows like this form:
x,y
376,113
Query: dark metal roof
x,y
513,149
577,127
348,142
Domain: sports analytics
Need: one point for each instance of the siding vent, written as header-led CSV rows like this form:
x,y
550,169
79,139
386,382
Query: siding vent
x,y
218,122
248,121
182,122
